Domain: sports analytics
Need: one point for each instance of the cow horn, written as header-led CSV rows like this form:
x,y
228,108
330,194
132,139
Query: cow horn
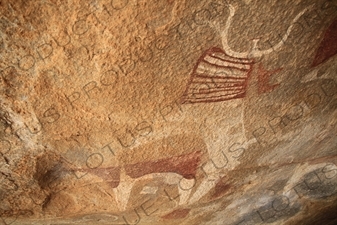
x,y
254,52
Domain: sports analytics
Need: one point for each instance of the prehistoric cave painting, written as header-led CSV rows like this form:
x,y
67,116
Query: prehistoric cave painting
x,y
222,75
177,214
328,46
185,165
122,178
111,174
263,79
218,77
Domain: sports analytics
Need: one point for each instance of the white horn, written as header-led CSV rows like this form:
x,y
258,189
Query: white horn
x,y
254,51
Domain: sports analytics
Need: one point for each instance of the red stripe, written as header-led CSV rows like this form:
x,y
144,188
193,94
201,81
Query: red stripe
x,y
217,66
213,99
243,61
217,77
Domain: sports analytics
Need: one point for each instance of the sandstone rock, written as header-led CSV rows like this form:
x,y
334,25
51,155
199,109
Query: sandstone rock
x,y
168,112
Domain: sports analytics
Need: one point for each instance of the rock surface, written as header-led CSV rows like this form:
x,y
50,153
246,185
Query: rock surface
x,y
168,112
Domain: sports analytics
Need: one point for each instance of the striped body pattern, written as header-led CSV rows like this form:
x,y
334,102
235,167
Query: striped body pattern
x,y
218,77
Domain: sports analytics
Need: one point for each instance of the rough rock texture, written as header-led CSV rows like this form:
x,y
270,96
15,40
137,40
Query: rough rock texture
x,y
168,112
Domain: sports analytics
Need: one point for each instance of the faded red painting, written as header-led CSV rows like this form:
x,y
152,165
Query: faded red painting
x,y
185,165
177,214
263,80
218,77
328,46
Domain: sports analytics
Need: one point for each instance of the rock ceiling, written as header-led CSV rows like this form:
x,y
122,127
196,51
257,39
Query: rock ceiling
x,y
168,112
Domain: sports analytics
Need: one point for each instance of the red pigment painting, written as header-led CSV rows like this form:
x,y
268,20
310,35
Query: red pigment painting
x,y
220,189
177,214
218,77
185,165
263,80
328,46
111,174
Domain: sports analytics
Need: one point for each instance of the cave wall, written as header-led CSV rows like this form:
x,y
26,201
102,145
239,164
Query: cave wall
x,y
168,112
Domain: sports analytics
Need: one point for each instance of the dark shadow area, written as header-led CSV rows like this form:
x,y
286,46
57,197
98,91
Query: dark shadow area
x,y
326,216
